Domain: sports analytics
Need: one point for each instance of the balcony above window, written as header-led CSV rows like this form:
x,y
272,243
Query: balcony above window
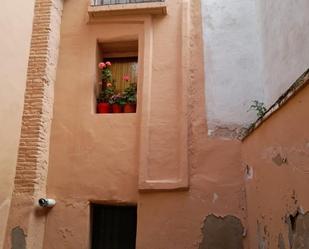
x,y
99,8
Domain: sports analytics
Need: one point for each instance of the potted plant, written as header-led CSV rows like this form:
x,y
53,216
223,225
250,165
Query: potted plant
x,y
107,88
104,98
129,95
106,73
117,101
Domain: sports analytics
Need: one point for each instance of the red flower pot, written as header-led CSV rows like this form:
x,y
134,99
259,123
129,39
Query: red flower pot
x,y
103,108
130,108
117,108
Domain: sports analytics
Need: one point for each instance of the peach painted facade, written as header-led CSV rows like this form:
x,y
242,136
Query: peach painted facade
x,y
192,191
277,157
132,158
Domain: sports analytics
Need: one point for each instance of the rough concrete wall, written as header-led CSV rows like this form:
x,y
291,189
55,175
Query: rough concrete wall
x,y
222,233
15,32
277,157
233,62
284,27
18,238
32,160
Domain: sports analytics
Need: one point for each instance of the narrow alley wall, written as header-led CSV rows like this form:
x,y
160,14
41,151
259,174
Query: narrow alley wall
x,y
26,221
276,156
15,32
253,50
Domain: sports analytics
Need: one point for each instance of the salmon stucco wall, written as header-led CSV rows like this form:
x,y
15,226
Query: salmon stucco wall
x,y
277,159
15,32
96,158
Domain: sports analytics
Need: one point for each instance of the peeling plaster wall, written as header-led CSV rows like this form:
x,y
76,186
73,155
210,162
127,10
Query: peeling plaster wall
x,y
18,238
222,233
277,159
176,219
15,32
253,50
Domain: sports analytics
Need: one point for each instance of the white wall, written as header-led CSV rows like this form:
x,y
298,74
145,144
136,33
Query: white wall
x,y
15,32
232,61
285,29
254,50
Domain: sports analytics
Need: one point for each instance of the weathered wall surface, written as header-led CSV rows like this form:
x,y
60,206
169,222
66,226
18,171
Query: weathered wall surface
x,y
253,50
222,232
95,158
233,62
277,157
284,27
15,32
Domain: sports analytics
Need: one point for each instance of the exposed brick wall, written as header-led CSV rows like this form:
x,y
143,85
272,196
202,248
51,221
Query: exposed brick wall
x,y
32,161
33,149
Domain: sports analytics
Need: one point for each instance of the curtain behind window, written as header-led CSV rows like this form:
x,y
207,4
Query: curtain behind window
x,y
121,67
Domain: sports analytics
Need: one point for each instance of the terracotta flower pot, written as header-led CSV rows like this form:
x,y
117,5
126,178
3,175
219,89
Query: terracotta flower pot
x,y
117,108
130,108
103,108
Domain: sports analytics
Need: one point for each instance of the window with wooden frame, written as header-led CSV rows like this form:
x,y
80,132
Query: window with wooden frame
x,y
118,76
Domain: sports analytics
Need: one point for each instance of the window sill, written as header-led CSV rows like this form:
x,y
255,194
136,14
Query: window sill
x,y
156,8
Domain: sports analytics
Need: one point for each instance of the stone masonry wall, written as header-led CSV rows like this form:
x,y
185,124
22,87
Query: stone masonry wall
x,y
32,161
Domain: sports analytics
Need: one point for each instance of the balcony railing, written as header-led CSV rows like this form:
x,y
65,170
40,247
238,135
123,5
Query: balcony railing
x,y
101,8
114,2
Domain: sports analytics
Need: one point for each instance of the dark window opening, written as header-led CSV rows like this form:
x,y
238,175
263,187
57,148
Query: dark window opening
x,y
113,227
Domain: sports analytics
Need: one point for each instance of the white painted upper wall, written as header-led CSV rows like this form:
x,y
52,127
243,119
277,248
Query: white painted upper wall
x,y
285,29
254,50
15,32
233,61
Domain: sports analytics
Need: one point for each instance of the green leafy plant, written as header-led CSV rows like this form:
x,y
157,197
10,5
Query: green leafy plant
x,y
106,94
108,88
129,93
259,107
107,75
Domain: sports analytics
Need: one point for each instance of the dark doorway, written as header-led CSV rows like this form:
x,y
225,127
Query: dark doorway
x,y
113,227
